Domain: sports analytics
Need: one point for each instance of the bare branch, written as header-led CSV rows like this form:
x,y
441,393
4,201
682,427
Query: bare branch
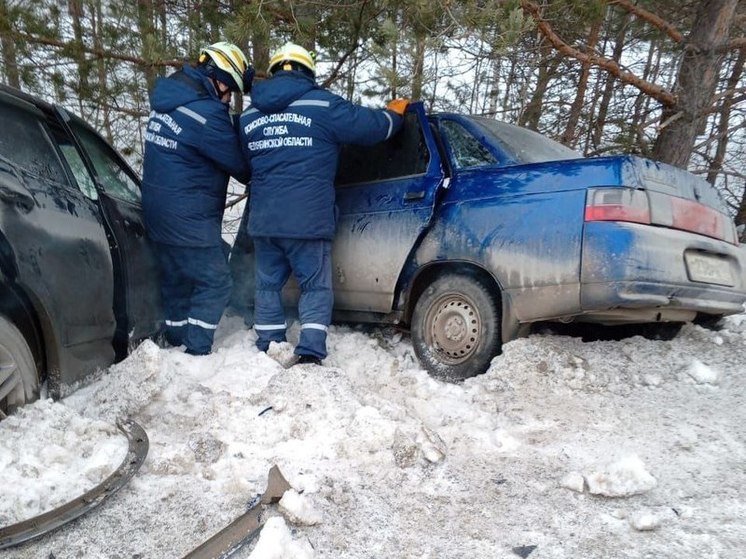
x,y
664,96
651,18
237,200
338,66
353,47
667,28
98,53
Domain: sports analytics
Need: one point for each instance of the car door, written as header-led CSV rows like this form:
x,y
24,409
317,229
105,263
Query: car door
x,y
53,244
385,195
137,295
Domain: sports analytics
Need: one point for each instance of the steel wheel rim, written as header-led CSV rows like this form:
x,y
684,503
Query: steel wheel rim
x,y
454,327
11,384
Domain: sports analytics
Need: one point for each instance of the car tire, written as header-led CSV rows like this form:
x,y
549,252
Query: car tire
x,y
19,379
456,326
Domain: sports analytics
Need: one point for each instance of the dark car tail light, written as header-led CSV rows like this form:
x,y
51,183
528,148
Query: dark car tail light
x,y
656,208
617,204
689,215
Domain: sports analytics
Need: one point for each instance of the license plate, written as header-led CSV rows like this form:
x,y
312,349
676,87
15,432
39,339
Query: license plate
x,y
707,268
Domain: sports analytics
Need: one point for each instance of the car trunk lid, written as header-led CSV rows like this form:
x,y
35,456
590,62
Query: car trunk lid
x,y
658,194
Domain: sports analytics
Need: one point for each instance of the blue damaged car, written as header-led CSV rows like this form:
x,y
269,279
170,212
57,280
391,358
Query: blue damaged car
x,y
467,230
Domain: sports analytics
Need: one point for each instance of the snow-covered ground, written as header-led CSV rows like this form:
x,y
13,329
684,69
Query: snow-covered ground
x,y
563,449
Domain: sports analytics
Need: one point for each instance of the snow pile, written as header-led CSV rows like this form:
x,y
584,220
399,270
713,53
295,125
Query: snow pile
x,y
645,521
277,542
561,449
701,373
622,478
35,472
298,509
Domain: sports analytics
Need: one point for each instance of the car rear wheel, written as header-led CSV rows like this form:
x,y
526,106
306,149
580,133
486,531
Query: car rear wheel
x,y
19,380
456,326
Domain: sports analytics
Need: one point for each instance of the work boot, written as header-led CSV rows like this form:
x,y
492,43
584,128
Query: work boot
x,y
172,339
308,360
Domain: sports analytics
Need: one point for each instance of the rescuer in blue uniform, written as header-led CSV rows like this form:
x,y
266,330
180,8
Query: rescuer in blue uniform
x,y
191,150
291,136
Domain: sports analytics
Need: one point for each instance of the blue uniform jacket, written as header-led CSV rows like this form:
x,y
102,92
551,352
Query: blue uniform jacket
x,y
291,136
191,148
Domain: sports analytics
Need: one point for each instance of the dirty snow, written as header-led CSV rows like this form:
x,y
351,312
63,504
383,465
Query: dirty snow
x,y
563,449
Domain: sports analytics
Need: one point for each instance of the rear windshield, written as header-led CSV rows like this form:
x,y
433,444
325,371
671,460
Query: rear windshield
x,y
526,145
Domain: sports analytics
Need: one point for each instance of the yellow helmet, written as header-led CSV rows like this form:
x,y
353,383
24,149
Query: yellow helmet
x,y
291,53
231,64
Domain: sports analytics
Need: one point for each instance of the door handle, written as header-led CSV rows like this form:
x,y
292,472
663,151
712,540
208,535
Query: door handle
x,y
414,195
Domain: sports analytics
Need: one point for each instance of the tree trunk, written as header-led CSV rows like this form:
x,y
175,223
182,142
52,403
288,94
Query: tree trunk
x,y
394,65
494,88
716,164
568,137
260,49
350,77
638,123
75,9
10,63
148,38
603,108
418,72
530,116
695,82
434,91
475,84
212,20
509,83
741,213
103,88
306,18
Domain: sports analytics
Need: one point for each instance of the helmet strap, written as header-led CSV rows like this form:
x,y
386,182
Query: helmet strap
x,y
221,93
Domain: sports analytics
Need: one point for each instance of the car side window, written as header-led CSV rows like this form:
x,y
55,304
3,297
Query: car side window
x,y
466,150
77,166
403,155
25,143
114,177
83,178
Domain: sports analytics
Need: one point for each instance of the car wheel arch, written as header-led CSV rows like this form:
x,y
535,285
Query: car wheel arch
x,y
19,308
427,274
19,354
8,268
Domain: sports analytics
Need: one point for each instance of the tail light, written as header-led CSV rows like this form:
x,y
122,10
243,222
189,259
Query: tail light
x,y
656,208
617,204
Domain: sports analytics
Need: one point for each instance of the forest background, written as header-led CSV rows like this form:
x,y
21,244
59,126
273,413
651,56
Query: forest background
x,y
663,79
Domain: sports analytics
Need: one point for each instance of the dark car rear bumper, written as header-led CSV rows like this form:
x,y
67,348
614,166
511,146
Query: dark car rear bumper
x,y
643,268
641,301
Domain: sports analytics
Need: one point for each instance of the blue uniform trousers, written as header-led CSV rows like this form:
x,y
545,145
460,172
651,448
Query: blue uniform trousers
x,y
195,288
310,261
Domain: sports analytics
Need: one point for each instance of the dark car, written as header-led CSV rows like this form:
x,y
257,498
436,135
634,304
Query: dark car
x,y
78,280
467,230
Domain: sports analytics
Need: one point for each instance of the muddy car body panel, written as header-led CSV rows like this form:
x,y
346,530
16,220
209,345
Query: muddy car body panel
x,y
526,222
